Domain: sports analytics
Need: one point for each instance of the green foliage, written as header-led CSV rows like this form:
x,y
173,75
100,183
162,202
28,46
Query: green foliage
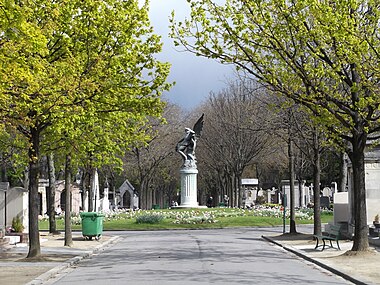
x,y
322,55
13,149
17,225
78,76
149,218
86,81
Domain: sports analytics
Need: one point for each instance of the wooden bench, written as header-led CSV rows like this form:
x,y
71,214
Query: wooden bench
x,y
333,234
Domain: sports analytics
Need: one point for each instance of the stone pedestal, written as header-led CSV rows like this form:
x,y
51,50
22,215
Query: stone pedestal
x,y
189,187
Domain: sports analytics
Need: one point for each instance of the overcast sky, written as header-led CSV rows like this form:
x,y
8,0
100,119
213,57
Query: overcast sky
x,y
195,76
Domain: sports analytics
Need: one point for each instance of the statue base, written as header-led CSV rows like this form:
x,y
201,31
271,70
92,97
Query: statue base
x,y
189,187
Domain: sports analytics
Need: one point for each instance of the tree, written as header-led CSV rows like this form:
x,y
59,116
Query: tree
x,y
307,138
322,55
51,194
77,69
234,136
68,233
144,162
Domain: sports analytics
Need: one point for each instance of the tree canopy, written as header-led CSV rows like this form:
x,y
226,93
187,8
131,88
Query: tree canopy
x,y
80,73
322,54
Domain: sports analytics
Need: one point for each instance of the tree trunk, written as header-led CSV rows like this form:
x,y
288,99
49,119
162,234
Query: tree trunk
x,y
240,190
51,195
360,209
316,188
34,236
4,177
143,195
343,173
26,177
83,189
235,190
68,233
292,229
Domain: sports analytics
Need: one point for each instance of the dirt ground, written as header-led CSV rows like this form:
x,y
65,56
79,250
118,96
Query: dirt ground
x,y
363,266
16,269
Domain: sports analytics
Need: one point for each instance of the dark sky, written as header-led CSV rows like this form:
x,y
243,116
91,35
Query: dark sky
x,y
195,76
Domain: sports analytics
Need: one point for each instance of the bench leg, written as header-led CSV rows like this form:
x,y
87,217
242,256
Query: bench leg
x,y
324,244
337,243
317,243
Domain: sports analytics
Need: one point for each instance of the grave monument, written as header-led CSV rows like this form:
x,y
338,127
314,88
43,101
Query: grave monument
x,y
186,148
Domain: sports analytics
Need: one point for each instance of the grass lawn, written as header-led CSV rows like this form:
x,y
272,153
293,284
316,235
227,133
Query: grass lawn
x,y
192,219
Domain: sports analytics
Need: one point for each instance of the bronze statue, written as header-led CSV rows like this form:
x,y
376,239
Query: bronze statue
x,y
186,146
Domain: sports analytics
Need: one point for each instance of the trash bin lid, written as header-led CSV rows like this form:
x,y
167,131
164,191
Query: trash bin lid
x,y
91,214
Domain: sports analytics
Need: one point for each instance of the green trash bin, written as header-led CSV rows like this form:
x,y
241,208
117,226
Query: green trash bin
x,y
155,206
92,224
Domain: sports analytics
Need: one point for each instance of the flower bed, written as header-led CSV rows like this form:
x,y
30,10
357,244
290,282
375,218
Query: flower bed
x,y
209,216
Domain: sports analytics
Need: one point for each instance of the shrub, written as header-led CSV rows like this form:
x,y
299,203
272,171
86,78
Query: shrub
x,y
17,225
149,218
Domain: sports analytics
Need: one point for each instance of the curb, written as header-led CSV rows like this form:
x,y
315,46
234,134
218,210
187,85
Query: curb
x,y
320,264
71,262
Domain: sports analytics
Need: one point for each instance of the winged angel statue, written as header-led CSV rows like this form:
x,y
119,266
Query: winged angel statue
x,y
186,146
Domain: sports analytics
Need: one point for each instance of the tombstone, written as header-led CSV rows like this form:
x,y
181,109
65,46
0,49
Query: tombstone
x,y
342,212
76,200
42,185
325,202
4,218
308,195
85,200
250,186
302,195
285,187
327,191
334,187
135,202
13,202
95,190
105,202
372,180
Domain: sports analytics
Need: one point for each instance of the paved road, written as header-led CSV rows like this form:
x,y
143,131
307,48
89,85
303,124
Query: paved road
x,y
228,256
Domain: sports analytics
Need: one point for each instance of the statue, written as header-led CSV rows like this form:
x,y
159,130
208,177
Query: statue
x,y
186,146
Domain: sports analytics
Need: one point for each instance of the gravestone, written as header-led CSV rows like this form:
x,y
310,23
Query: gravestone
x,y
325,202
342,213
13,202
4,219
105,202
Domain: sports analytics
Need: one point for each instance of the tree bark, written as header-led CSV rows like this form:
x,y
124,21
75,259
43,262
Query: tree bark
x,y
51,195
360,208
33,154
68,233
292,229
316,188
343,173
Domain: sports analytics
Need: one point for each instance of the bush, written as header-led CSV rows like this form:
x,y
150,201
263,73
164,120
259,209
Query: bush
x,y
17,225
149,218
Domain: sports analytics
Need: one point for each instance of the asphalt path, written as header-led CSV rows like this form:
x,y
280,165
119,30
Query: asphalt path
x,y
220,256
